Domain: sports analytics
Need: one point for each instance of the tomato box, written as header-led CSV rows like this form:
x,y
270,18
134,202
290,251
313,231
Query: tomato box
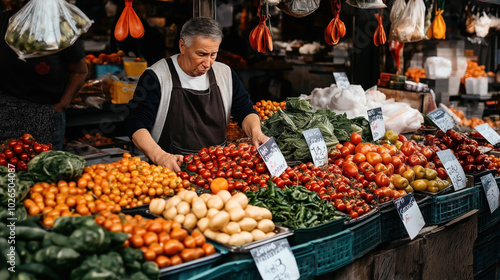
x,y
122,91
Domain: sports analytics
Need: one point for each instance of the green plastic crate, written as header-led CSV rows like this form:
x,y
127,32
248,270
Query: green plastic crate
x,y
333,252
306,260
391,225
304,235
367,235
485,251
236,270
486,220
445,208
188,269
487,274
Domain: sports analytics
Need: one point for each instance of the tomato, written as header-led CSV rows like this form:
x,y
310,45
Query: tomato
x,y
8,154
13,161
22,165
37,148
344,151
3,161
402,138
27,138
382,180
359,157
414,159
407,148
373,158
45,147
365,167
260,168
349,169
355,138
363,148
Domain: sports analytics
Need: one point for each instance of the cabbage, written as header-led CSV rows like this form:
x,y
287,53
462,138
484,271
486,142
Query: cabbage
x,y
52,166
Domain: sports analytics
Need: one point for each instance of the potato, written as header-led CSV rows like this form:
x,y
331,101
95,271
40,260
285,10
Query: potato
x,y
242,199
254,212
258,234
247,236
179,218
211,212
236,240
270,234
183,208
190,221
266,214
189,196
222,237
232,228
199,207
210,233
157,206
173,201
219,221
181,193
205,196
215,202
247,224
232,203
225,195
170,213
203,224
265,225
236,214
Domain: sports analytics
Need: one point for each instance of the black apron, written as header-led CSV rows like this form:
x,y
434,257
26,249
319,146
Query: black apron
x,y
195,119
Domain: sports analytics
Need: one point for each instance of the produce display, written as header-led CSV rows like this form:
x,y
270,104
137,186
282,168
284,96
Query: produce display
x,y
225,218
18,152
473,122
103,58
265,108
162,242
474,70
51,166
96,139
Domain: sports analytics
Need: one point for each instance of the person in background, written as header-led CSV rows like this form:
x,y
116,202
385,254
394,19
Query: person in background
x,y
183,103
35,93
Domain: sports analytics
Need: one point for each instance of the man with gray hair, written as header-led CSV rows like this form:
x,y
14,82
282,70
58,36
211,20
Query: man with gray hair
x,y
183,103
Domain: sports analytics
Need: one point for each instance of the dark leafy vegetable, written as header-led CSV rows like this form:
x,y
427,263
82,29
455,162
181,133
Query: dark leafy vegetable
x,y
19,185
51,166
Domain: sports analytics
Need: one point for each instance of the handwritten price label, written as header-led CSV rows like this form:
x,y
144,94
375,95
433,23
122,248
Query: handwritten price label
x,y
453,168
488,133
491,190
275,260
440,118
377,124
410,214
273,158
317,146
341,79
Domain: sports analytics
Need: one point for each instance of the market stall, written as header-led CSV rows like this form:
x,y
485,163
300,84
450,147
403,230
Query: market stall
x,y
395,180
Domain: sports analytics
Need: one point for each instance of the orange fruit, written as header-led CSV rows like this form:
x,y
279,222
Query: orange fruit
x,y
219,184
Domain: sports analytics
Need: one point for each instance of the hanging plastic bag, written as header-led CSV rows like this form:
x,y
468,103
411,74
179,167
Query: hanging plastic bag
x,y
298,8
470,26
409,27
397,10
482,24
367,4
379,37
43,27
128,22
437,30
336,28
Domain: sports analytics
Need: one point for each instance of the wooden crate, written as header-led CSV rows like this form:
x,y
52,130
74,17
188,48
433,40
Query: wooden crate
x,y
417,100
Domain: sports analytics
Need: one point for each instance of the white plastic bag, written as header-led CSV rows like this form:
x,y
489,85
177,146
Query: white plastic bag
x,y
437,67
482,24
404,120
409,27
43,27
367,4
397,10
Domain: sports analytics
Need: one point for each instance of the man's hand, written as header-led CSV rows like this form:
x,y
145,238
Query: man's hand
x,y
259,139
173,162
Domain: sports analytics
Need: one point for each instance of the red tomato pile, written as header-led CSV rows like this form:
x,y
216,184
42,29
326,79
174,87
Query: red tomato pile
x,y
241,165
465,149
19,152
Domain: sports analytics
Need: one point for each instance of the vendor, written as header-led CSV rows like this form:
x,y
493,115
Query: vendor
x,y
183,103
35,93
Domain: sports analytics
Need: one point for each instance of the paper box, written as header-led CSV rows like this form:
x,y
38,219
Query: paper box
x,y
122,91
134,68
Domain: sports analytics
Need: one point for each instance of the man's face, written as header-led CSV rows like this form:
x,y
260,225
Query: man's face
x,y
199,57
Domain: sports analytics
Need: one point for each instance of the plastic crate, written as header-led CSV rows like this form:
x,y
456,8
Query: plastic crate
x,y
236,270
485,251
391,225
445,208
188,269
486,220
304,235
482,203
367,235
487,274
333,252
306,261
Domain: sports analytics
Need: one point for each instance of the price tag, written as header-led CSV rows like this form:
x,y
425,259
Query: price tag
x,y
410,214
491,190
317,146
440,118
453,168
273,158
488,133
275,260
341,79
377,124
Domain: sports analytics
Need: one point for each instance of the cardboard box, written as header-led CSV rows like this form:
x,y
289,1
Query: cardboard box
x,y
122,92
416,100
134,68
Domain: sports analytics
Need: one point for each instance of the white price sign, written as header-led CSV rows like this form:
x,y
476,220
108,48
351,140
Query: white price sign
x,y
341,79
275,261
491,190
453,168
410,214
488,133
377,124
273,158
317,146
441,119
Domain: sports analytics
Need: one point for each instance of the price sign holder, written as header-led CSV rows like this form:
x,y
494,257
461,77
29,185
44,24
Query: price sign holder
x,y
491,190
441,119
273,158
275,260
453,168
377,124
488,133
341,79
317,146
410,214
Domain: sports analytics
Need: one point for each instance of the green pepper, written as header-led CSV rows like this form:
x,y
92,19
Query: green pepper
x,y
57,257
66,225
90,239
40,270
30,233
151,270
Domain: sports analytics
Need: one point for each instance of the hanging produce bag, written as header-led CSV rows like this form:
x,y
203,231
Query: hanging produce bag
x,y
298,8
336,28
43,27
367,4
260,37
379,37
409,26
482,25
128,22
437,30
